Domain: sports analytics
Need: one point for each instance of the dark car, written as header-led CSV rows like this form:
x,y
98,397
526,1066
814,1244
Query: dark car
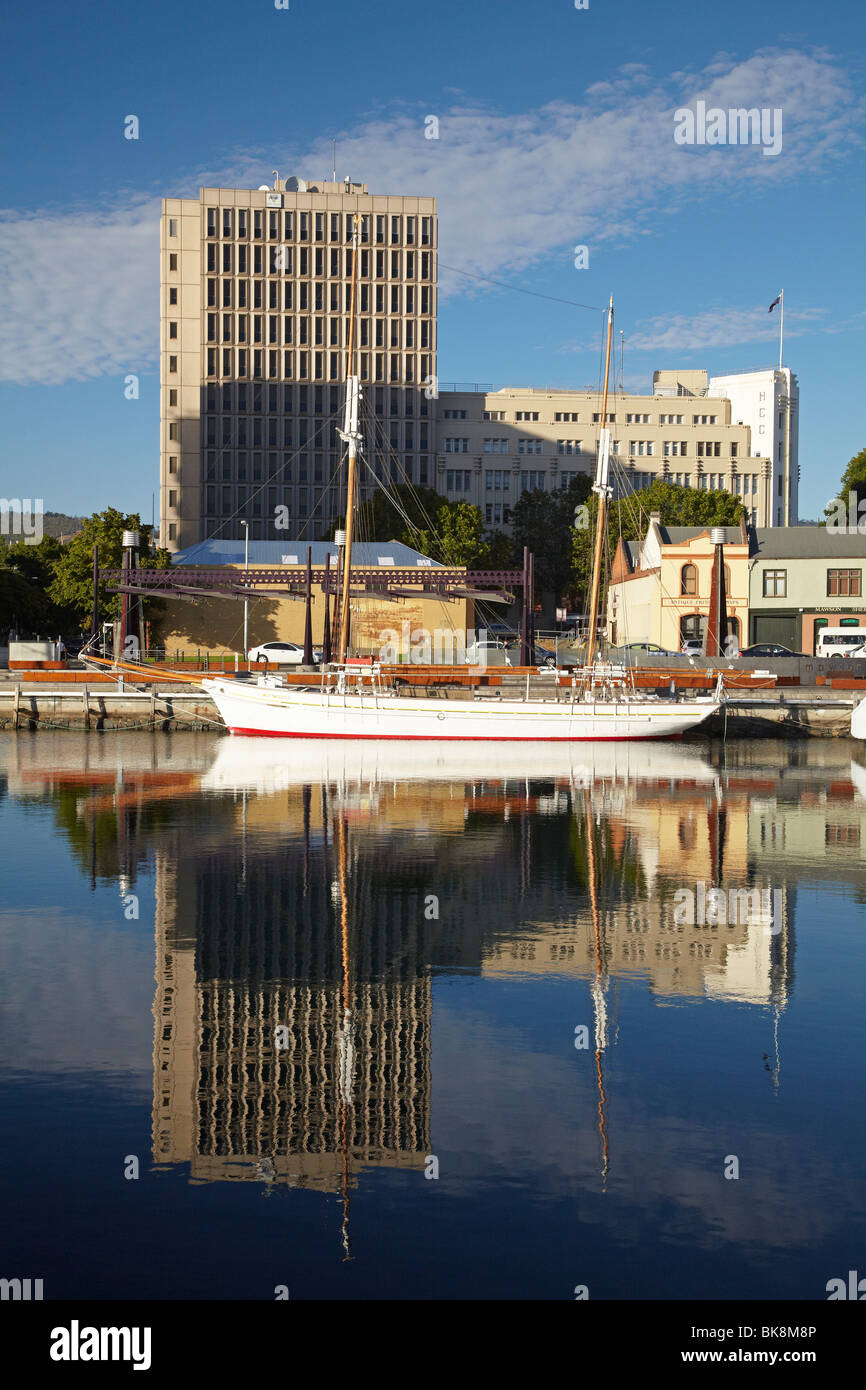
x,y
768,649
542,656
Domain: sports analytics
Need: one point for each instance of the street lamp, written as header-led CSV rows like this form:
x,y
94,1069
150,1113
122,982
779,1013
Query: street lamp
x,y
246,526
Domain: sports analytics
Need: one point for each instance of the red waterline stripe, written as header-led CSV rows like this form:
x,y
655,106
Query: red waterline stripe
x,y
465,738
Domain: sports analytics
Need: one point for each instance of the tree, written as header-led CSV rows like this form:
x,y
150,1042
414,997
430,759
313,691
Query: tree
x,y
72,582
853,480
386,515
544,522
452,533
26,571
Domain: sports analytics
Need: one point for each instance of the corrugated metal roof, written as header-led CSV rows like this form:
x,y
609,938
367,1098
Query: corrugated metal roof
x,y
808,543
225,552
780,542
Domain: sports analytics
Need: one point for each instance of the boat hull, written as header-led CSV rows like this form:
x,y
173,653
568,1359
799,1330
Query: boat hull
x,y
273,712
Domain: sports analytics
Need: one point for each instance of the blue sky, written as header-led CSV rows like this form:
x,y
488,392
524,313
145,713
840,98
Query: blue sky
x,y
555,129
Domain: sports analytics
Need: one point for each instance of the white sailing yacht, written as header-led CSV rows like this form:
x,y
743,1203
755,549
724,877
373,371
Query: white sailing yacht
x,y
357,703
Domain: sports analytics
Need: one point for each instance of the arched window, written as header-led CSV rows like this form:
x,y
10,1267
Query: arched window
x,y
688,580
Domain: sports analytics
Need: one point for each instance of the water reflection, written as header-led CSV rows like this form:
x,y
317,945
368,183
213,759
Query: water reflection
x,y
308,897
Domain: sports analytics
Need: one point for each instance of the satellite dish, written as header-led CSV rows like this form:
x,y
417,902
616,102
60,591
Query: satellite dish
x,y
264,188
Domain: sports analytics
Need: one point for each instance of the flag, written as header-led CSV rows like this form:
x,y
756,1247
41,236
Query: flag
x,y
776,301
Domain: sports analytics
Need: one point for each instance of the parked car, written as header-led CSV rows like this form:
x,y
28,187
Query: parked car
x,y
693,646
281,654
542,656
488,651
646,649
768,649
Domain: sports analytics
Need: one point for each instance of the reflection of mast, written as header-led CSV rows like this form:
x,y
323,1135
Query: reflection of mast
x,y
598,999
346,1045
777,1056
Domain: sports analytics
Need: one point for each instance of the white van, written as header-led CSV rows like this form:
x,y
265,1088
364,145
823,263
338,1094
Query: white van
x,y
841,641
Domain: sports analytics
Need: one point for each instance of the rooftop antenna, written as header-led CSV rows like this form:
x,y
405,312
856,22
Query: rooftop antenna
x,y
621,345
335,160
274,172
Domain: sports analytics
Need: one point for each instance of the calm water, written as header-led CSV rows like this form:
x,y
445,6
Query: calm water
x,y
292,983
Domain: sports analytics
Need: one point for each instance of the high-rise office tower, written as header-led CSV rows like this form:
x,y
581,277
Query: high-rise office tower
x,y
255,309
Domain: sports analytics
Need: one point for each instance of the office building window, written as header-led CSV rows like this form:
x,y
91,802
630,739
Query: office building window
x,y
775,583
458,480
532,481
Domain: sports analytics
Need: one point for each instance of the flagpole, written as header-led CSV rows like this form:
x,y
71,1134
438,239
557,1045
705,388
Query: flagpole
x,y
781,325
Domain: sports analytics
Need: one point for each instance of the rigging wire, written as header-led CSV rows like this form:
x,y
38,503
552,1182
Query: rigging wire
x,y
519,289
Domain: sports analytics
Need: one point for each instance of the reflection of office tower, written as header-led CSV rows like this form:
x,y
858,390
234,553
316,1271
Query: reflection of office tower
x,y
174,1041
247,1029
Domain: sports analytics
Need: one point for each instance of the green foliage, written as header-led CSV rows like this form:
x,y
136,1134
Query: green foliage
x,y
853,480
25,574
23,606
544,522
71,585
451,533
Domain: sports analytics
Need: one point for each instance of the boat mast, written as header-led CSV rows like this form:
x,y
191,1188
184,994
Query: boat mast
x,y
601,488
351,435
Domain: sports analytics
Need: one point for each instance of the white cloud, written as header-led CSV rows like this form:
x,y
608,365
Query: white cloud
x,y
719,328
80,294
81,288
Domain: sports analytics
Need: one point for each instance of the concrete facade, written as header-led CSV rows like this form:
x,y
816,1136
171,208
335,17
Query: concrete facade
x,y
769,403
494,445
255,307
